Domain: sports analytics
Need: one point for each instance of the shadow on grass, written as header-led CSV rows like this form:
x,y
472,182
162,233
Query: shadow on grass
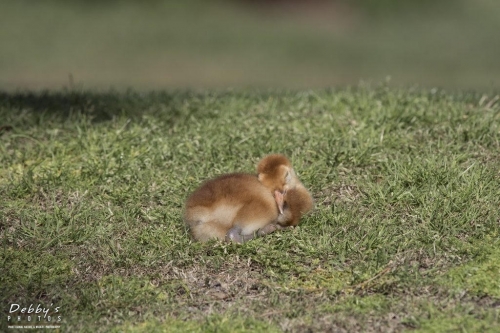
x,y
98,106
20,109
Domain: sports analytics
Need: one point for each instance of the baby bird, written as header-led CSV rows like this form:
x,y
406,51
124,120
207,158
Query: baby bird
x,y
237,206
232,207
293,199
295,203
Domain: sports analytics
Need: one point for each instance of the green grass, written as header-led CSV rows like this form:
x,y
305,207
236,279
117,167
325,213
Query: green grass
x,y
404,235
53,44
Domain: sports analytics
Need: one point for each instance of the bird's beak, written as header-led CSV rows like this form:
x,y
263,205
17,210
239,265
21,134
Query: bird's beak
x,y
278,196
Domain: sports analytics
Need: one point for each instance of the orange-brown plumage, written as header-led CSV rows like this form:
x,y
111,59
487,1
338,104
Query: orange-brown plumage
x,y
230,201
293,199
275,172
297,202
236,206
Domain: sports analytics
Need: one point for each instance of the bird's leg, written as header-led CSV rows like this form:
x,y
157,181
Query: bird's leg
x,y
234,235
269,229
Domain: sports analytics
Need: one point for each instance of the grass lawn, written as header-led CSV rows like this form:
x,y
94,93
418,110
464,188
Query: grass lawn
x,y
214,44
405,234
